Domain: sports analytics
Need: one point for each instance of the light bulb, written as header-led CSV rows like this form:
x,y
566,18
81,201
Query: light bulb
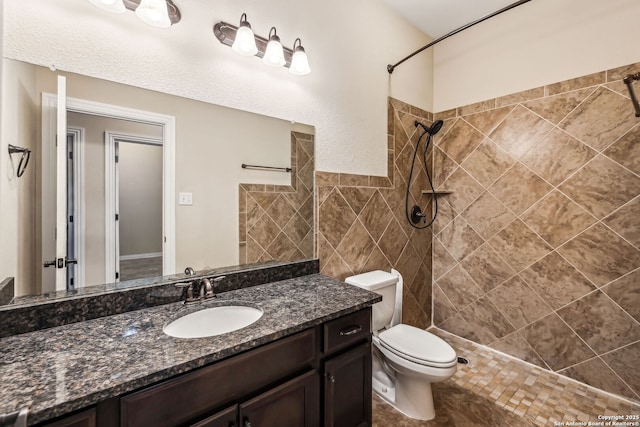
x,y
154,12
115,6
274,54
299,61
245,41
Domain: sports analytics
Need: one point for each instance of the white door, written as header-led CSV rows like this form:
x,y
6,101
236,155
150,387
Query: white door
x,y
61,186
54,187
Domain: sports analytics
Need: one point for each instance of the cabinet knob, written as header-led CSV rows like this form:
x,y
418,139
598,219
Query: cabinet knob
x,y
246,423
331,378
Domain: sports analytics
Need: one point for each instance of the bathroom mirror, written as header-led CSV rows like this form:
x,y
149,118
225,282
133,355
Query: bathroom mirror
x,y
212,209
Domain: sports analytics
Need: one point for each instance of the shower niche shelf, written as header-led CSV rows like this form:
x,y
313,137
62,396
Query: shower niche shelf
x,y
439,192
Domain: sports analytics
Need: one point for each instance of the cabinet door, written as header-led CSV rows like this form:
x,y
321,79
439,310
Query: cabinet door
x,y
225,418
347,389
293,404
83,419
193,395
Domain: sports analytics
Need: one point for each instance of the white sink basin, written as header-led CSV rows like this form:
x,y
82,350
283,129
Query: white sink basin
x,y
213,321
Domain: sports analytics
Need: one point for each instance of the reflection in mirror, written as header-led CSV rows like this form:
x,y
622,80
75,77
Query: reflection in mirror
x,y
224,215
131,201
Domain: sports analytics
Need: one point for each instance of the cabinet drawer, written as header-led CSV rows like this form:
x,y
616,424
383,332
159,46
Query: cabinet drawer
x,y
347,330
193,395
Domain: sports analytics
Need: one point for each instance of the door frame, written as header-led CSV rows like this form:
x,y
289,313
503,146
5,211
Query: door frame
x,y
168,123
79,213
111,193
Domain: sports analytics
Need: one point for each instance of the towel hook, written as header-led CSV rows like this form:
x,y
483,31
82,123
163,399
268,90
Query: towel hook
x,y
26,155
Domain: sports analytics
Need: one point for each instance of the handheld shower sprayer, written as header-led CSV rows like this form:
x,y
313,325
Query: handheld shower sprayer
x,y
431,130
415,216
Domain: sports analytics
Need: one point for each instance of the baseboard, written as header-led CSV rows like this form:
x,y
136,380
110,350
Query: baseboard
x,y
141,256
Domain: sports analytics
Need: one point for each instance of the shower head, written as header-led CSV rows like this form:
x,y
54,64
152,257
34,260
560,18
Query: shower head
x,y
433,129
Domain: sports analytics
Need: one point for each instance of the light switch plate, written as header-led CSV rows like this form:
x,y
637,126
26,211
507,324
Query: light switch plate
x,y
185,199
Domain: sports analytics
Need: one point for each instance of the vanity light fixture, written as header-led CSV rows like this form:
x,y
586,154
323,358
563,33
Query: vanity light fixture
x,y
245,41
299,62
274,54
154,12
114,6
270,50
158,13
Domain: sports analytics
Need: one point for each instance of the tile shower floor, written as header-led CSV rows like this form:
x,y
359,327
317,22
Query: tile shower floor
x,y
495,390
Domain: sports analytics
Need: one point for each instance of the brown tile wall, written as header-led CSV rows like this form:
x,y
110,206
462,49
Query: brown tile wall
x,y
537,250
276,222
362,224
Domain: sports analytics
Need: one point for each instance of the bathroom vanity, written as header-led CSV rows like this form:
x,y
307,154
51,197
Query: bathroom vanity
x,y
305,362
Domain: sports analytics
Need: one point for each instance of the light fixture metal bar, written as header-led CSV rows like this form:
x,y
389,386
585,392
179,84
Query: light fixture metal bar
x,y
174,12
226,34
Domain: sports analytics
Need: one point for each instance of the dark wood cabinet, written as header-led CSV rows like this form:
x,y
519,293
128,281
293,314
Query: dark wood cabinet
x,y
320,376
197,394
225,418
346,369
293,404
347,388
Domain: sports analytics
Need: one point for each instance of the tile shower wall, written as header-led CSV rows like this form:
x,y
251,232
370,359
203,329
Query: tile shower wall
x,y
536,252
276,222
362,224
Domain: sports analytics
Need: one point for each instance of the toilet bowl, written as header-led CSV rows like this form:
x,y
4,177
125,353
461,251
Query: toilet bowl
x,y
406,359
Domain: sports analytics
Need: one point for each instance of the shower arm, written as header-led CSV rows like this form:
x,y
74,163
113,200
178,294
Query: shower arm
x,y
390,67
628,80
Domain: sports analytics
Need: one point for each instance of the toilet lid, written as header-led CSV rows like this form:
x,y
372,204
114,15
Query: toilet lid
x,y
418,345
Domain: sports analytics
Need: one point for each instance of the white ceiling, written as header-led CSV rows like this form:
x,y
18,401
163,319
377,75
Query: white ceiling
x,y
439,17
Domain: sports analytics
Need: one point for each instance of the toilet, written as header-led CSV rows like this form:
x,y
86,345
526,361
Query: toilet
x,y
406,359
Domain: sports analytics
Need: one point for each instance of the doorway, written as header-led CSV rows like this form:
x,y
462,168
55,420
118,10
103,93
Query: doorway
x,y
133,205
165,126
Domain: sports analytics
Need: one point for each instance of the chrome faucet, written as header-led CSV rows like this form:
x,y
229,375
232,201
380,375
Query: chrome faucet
x,y
198,289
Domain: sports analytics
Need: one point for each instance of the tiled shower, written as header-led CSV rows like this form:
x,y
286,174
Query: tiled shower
x,y
536,250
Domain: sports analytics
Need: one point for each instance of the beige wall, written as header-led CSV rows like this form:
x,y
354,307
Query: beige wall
x,y
538,43
6,268
17,197
140,170
94,186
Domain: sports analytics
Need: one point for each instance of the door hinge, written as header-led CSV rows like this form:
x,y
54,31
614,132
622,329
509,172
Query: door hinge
x,y
117,275
117,217
70,218
70,155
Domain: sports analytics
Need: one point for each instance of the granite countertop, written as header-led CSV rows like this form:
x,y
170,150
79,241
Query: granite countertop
x,y
62,369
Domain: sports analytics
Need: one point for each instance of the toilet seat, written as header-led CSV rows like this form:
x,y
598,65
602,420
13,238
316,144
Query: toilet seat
x,y
418,346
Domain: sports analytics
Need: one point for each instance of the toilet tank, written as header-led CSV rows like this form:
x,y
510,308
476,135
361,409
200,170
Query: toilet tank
x,y
383,283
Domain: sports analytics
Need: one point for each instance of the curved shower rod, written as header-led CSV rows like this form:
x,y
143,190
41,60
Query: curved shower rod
x,y
628,80
390,67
